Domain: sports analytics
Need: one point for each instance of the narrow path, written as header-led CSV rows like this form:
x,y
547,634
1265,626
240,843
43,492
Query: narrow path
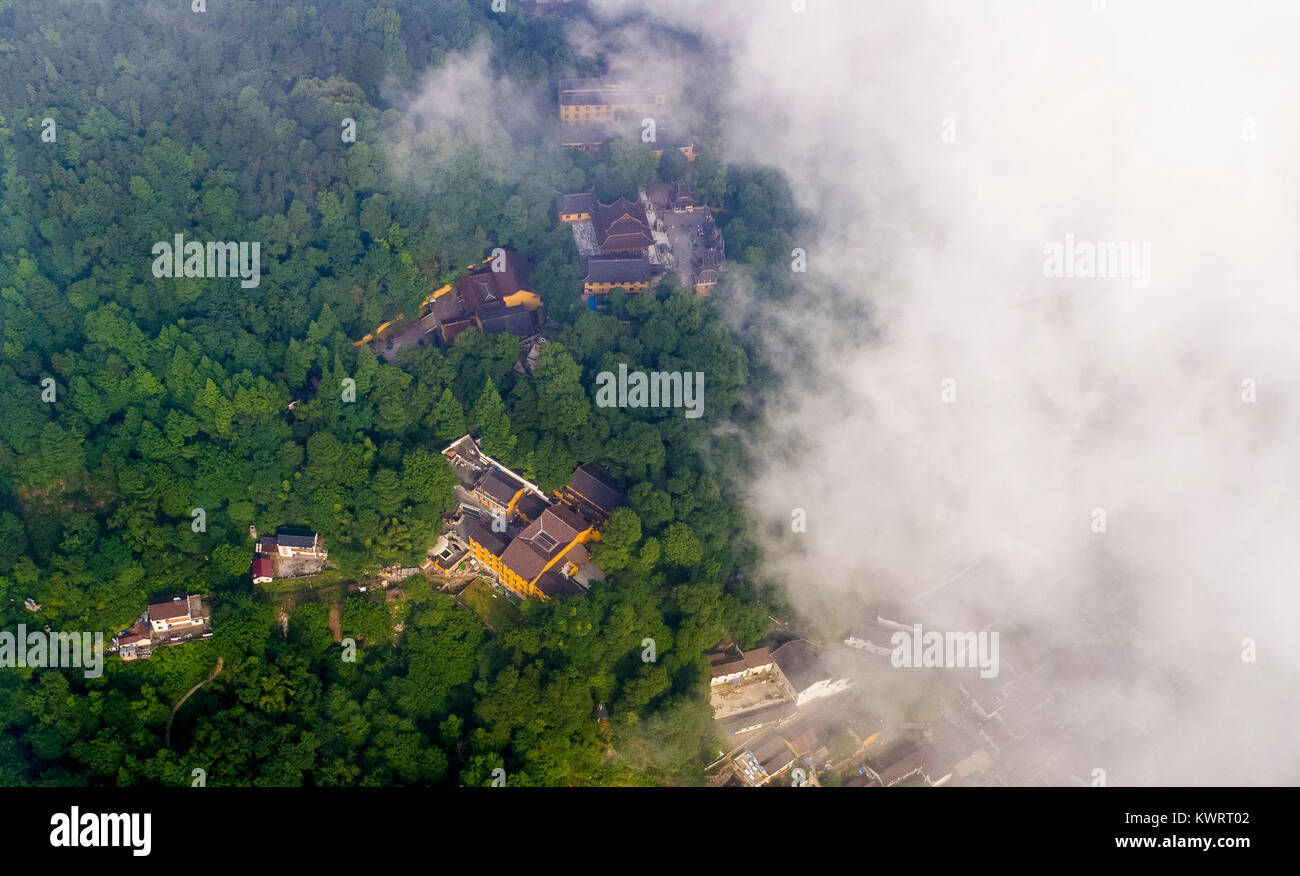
x,y
181,702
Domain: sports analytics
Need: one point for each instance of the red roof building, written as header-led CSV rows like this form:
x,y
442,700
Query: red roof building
x,y
262,570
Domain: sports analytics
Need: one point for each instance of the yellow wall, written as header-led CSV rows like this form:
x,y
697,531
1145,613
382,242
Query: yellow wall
x,y
528,299
575,114
602,288
512,579
688,151
437,292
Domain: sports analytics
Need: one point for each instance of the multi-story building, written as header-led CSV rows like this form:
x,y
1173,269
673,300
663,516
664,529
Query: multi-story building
x,y
543,558
730,665
496,301
595,101
605,273
294,544
290,553
532,544
498,492
134,643
176,613
167,621
576,208
590,492
803,675
622,227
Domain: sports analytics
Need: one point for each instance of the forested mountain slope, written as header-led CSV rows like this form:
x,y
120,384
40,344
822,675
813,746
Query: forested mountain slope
x,y
172,394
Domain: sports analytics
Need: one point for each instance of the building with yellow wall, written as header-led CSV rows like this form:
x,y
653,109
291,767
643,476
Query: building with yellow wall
x,y
540,550
493,300
596,101
542,558
605,273
575,208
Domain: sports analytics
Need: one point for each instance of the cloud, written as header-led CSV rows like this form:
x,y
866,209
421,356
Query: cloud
x,y
1170,124
464,101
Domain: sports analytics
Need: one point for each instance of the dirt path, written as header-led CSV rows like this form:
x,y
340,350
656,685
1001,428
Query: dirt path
x,y
336,621
188,694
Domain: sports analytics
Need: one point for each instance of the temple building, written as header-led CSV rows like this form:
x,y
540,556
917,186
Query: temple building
x,y
496,301
575,208
609,272
592,101
622,227
531,543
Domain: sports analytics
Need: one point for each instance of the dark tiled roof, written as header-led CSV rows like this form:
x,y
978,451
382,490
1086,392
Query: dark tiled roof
x,y
592,92
760,716
579,203
516,320
629,242
296,539
542,540
594,484
138,632
803,738
499,486
621,226
773,754
617,270
732,660
448,307
899,763
577,555
451,330
524,558
480,294
799,664
568,517
554,584
484,288
530,506
493,542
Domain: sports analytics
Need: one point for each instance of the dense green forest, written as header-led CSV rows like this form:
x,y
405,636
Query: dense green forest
x,y
173,394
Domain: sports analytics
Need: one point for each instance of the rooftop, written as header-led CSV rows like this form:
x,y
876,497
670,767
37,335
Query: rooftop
x,y
499,486
297,538
585,92
732,660
617,269
169,608
582,202
515,320
799,663
595,485
622,225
